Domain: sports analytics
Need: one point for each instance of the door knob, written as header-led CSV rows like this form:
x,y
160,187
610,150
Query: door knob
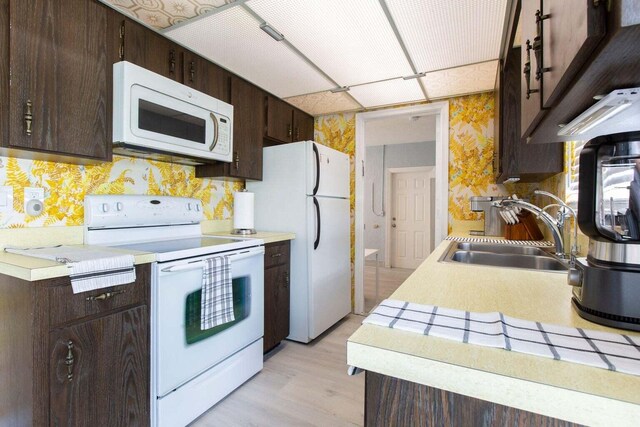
x,y
393,225
394,218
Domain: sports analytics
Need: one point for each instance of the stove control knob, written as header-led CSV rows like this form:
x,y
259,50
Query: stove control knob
x,y
197,207
574,278
188,206
119,206
105,207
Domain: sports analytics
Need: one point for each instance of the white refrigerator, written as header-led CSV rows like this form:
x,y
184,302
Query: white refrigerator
x,y
305,190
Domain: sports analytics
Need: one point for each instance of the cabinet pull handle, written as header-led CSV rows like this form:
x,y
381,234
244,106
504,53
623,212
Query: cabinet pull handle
x,y
289,131
527,71
537,44
28,116
105,295
297,133
172,61
236,162
286,279
276,255
192,71
69,360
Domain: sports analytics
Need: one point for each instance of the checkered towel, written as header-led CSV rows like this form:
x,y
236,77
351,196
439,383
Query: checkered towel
x,y
540,243
600,349
216,306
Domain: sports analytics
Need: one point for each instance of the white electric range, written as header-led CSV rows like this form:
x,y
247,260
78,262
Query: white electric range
x,y
191,369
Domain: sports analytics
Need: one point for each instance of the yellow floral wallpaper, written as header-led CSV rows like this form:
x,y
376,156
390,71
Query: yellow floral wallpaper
x,y
470,154
66,185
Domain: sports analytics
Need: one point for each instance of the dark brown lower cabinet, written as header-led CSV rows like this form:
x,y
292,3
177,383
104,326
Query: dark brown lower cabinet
x,y
391,401
74,359
276,293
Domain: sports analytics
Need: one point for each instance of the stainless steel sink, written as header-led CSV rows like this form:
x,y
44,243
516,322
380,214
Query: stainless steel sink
x,y
507,256
501,249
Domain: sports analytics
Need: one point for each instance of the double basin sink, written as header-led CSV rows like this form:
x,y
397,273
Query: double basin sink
x,y
507,256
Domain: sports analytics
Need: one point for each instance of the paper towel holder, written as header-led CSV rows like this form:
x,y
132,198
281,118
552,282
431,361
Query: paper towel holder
x,y
243,231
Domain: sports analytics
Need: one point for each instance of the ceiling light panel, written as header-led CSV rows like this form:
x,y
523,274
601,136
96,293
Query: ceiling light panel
x,y
442,34
461,80
233,39
351,41
388,92
321,103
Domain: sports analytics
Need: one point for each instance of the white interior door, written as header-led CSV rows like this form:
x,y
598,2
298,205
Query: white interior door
x,y
410,218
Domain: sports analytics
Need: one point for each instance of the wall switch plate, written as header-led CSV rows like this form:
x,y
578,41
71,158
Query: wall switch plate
x,y
6,198
33,201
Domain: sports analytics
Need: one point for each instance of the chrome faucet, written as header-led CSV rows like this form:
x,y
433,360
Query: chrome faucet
x,y
564,212
544,216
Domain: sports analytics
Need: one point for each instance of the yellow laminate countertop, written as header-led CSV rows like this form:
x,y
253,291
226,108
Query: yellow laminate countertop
x,y
558,389
32,268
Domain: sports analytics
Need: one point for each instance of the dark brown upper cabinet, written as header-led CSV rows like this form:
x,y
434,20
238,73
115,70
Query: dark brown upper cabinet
x,y
58,101
206,76
248,117
571,30
558,38
286,123
514,159
146,48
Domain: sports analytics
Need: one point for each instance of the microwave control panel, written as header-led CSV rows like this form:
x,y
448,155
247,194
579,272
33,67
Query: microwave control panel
x,y
223,144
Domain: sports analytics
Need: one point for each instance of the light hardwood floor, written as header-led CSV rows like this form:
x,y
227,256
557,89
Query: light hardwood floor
x,y
389,280
300,385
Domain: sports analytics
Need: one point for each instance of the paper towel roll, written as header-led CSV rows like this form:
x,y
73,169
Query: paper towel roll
x,y
243,210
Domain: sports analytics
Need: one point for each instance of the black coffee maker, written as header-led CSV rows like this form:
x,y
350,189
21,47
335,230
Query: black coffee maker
x,y
607,284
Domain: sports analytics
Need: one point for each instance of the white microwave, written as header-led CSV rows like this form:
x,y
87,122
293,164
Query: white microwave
x,y
159,118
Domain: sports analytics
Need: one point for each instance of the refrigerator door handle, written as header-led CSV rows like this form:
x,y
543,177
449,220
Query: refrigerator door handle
x,y
316,243
317,154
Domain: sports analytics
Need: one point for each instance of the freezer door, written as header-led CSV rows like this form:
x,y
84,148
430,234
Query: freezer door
x,y
327,171
330,264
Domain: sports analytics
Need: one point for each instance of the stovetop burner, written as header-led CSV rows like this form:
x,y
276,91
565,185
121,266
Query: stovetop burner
x,y
167,250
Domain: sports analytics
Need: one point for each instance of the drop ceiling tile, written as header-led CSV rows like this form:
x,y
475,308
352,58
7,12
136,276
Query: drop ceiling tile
x,y
321,103
352,41
164,13
447,33
233,39
388,92
461,80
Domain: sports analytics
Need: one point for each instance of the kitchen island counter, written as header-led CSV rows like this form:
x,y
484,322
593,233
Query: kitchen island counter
x,y
557,389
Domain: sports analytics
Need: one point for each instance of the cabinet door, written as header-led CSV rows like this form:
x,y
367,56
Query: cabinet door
x,y
531,100
302,126
571,32
279,120
98,371
59,95
276,305
248,130
150,50
206,76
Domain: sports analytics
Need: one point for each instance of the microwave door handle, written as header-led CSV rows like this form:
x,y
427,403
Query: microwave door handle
x,y
215,132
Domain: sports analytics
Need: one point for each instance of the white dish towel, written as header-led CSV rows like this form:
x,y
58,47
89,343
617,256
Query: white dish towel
x,y
615,352
216,303
91,268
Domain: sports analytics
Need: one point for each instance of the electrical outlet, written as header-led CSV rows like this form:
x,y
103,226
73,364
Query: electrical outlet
x,y
33,201
6,199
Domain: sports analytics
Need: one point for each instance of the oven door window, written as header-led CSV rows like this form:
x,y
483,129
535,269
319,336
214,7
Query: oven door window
x,y
241,310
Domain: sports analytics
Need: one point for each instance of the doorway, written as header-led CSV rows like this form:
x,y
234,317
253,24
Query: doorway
x,y
437,187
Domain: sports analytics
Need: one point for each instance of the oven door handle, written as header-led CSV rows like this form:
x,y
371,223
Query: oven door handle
x,y
199,264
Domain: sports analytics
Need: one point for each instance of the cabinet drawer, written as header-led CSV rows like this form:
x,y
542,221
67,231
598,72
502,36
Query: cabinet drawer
x,y
276,254
65,306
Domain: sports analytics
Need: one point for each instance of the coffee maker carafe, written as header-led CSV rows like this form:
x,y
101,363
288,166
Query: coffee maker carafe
x,y
607,284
